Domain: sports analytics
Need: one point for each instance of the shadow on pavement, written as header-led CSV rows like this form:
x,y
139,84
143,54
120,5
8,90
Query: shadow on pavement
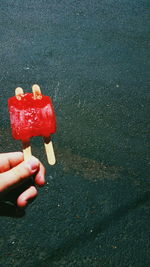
x,y
8,205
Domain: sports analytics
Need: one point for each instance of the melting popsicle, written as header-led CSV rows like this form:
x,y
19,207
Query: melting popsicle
x,y
32,114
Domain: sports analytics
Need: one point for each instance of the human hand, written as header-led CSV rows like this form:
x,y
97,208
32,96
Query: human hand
x,y
14,171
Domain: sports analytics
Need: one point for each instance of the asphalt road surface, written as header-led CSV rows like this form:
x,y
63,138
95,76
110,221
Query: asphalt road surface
x,y
91,58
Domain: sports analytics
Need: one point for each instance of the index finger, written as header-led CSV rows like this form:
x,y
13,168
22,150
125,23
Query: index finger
x,y
10,160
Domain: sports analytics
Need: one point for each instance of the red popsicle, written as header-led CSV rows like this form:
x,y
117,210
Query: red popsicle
x,y
32,114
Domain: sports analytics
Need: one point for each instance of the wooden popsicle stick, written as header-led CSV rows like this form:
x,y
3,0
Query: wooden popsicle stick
x,y
36,91
49,150
18,92
26,144
47,140
26,149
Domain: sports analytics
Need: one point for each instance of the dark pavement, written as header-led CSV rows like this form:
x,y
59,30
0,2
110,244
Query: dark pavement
x,y
92,59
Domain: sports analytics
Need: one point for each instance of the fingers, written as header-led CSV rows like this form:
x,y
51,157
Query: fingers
x,y
14,170
20,173
10,160
40,176
23,199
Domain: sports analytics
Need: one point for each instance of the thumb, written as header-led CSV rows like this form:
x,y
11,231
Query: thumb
x,y
18,173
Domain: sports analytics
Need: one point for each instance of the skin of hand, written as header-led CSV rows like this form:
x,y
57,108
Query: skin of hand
x,y
14,170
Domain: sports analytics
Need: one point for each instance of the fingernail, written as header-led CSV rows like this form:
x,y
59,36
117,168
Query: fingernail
x,y
34,164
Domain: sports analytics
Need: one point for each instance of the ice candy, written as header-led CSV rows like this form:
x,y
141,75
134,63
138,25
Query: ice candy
x,y
31,117
32,114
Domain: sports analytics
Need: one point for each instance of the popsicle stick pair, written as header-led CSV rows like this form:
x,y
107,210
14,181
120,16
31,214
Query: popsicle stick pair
x,y
47,140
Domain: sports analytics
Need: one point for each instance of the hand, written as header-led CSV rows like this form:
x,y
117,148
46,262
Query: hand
x,y
14,170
